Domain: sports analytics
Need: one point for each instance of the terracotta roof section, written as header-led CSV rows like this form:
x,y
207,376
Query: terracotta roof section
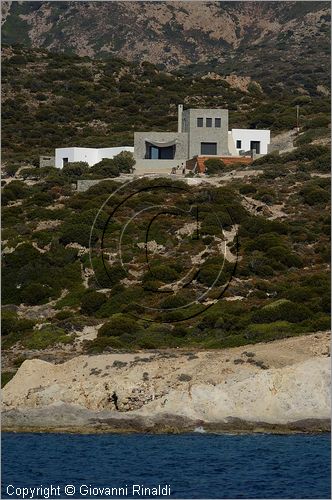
x,y
197,163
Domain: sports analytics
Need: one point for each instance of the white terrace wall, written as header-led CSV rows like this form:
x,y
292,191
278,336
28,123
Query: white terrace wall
x,y
89,155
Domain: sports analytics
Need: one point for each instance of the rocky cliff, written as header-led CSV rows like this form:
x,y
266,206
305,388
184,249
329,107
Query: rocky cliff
x,y
249,38
281,386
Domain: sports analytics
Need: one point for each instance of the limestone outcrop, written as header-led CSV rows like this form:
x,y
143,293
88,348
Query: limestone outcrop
x,y
284,385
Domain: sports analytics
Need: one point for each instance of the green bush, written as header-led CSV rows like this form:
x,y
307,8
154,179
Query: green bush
x,y
173,302
306,153
118,325
46,337
282,310
214,166
35,293
102,344
75,170
313,195
310,135
11,169
322,163
77,233
11,323
91,302
105,168
14,191
162,272
125,162
283,255
272,331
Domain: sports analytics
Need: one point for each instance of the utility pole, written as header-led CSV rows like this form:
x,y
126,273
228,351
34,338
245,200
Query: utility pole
x,y
297,118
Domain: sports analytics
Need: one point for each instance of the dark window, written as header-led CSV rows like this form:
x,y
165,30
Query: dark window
x,y
217,122
208,148
161,153
209,122
238,144
64,161
199,122
255,146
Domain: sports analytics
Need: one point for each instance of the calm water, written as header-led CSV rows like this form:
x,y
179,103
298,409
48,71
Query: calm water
x,y
194,465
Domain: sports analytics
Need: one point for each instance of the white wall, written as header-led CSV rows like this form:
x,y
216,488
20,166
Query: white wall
x,y
231,145
89,155
245,135
111,152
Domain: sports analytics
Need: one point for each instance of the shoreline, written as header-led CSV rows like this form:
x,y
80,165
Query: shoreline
x,y
317,427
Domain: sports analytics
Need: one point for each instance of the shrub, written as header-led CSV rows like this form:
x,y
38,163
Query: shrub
x,y
272,331
47,336
11,323
323,162
163,273
173,301
35,293
118,325
14,191
11,169
102,344
214,166
91,302
124,161
282,309
105,168
283,255
74,170
77,233
313,195
307,153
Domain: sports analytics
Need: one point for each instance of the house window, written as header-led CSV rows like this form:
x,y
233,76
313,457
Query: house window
x,y
217,122
199,122
64,161
209,122
208,148
238,144
161,153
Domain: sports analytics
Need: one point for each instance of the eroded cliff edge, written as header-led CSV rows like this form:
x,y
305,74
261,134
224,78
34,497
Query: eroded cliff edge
x,y
282,386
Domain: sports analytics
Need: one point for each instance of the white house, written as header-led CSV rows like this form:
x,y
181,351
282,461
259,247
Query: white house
x,y
246,139
88,155
201,132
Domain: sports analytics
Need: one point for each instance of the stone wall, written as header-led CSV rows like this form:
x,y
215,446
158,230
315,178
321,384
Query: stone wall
x,y
46,161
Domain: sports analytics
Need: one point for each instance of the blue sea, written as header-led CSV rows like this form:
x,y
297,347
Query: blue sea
x,y
185,466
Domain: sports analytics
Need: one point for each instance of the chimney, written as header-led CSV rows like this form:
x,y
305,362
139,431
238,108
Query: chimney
x,y
180,109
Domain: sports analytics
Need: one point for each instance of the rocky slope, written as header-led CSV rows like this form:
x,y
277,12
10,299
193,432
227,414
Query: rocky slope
x,y
281,386
248,37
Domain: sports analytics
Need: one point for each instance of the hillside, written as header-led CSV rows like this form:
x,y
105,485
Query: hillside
x,y
277,43
54,100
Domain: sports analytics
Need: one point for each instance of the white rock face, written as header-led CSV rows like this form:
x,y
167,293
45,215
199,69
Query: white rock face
x,y
276,383
278,396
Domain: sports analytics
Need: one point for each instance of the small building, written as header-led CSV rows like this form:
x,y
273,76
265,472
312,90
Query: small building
x,y
46,161
247,140
89,155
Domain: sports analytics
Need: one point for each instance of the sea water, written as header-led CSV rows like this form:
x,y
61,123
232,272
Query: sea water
x,y
165,466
